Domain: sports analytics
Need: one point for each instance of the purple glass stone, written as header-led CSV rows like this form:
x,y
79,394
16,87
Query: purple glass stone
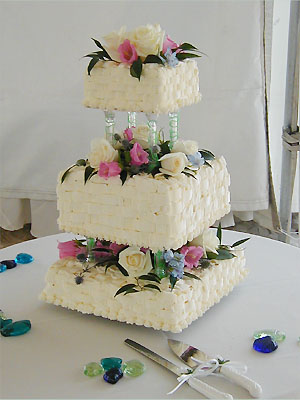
x,y
10,264
265,344
113,375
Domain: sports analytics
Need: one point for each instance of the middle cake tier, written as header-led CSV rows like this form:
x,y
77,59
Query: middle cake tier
x,y
156,213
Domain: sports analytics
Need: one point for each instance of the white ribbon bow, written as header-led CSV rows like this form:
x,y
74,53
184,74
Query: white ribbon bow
x,y
204,369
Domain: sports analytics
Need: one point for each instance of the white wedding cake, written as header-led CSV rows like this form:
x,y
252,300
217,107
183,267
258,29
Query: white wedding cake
x,y
143,203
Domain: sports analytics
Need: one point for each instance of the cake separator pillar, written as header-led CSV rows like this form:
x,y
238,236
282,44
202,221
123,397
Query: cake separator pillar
x,y
131,119
109,125
153,134
173,127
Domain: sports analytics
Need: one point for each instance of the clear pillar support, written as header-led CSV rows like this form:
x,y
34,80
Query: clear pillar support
x,y
173,127
90,244
153,134
131,119
109,125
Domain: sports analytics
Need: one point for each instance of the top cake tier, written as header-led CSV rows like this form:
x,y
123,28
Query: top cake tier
x,y
142,70
161,89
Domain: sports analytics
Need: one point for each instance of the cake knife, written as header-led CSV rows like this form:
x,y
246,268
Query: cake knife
x,y
187,353
202,387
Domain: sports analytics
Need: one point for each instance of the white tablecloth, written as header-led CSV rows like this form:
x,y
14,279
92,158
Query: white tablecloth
x,y
47,362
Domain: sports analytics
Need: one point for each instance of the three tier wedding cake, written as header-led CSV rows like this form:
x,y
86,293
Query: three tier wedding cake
x,y
142,202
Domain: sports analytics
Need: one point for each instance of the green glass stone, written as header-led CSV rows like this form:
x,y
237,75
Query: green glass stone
x,y
93,369
111,362
4,322
275,334
134,368
16,328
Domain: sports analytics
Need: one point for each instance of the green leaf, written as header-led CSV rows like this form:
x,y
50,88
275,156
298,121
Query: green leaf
x,y
153,59
154,274
127,157
81,163
211,256
87,173
189,174
66,173
208,164
123,176
207,155
149,285
125,288
239,242
136,68
224,255
219,233
131,291
105,53
102,250
191,276
122,269
173,281
186,46
91,65
204,263
164,148
153,278
184,56
151,166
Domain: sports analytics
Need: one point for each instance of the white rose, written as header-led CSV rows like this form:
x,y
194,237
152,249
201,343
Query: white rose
x,y
185,146
135,261
141,135
173,163
101,150
147,39
208,241
113,41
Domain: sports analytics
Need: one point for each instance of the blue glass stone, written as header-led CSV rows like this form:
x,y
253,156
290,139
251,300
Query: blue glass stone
x,y
23,258
10,264
16,328
4,322
265,344
3,268
113,375
111,362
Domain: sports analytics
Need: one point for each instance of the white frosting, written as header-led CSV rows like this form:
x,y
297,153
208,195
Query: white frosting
x,y
155,213
161,89
166,310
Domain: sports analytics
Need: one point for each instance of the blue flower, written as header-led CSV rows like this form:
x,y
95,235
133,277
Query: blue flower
x,y
196,159
171,57
168,256
177,265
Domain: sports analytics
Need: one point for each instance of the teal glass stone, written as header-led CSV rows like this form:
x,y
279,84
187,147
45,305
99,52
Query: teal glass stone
x,y
23,258
3,268
111,362
275,334
16,328
93,369
4,322
134,368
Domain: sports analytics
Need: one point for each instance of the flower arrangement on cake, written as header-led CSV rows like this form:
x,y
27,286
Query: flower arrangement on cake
x,y
145,267
130,154
144,45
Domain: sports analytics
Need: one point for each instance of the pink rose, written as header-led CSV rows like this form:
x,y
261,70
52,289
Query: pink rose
x,y
192,255
69,249
108,169
128,134
127,52
169,43
138,155
116,248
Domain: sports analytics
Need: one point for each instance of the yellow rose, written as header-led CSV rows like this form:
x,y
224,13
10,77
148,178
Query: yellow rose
x,y
185,146
173,163
147,39
208,240
135,261
113,40
141,135
101,150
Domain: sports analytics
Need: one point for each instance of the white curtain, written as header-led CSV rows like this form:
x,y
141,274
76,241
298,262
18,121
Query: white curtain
x,y
45,128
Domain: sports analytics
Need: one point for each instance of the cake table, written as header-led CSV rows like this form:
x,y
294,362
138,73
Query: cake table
x,y
48,361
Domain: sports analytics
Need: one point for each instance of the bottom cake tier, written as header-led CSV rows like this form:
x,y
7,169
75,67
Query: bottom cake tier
x,y
168,310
